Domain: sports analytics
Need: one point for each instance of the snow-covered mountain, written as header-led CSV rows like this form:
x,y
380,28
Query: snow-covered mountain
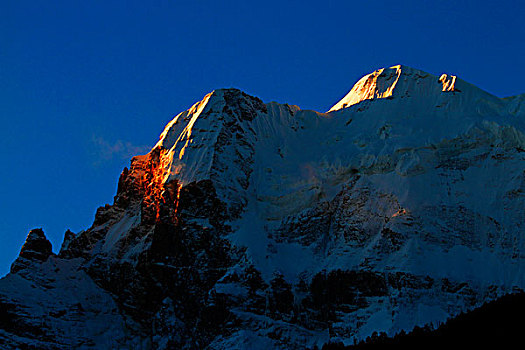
x,y
260,225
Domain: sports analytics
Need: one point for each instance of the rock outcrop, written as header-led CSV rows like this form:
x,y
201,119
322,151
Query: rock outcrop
x,y
36,249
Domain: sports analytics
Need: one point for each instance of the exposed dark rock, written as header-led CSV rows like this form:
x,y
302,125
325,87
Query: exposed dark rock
x,y
68,237
36,249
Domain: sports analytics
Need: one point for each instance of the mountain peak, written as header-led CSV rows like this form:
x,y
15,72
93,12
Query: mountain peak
x,y
398,80
250,219
35,249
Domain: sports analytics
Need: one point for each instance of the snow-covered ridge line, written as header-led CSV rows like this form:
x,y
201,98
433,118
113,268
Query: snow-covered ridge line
x,y
400,81
190,142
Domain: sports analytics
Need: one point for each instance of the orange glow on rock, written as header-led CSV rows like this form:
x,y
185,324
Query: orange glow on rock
x,y
399,212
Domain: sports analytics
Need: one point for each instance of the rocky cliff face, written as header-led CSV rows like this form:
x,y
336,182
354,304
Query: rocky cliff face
x,y
36,249
253,225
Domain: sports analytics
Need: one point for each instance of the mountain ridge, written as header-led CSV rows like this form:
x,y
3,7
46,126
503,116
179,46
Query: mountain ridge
x,y
402,81
254,224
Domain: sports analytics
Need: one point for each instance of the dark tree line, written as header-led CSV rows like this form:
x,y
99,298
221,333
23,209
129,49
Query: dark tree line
x,y
493,325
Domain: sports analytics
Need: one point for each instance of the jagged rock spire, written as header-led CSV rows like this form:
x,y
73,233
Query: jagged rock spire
x,y
36,248
68,237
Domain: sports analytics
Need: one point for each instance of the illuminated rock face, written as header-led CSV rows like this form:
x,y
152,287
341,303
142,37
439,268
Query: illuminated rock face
x,y
262,225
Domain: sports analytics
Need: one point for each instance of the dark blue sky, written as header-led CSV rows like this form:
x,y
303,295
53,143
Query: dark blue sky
x,y
84,85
